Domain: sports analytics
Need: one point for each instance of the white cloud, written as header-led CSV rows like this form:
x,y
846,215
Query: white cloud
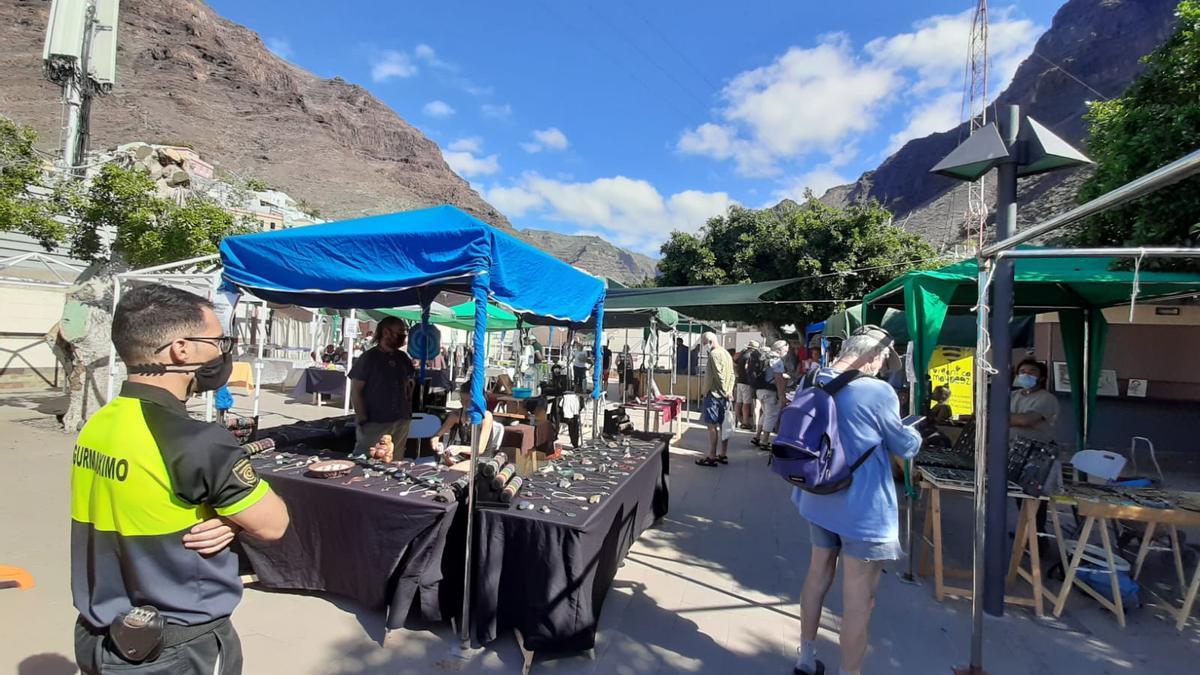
x,y
496,111
391,64
938,114
467,144
438,109
280,46
807,100
819,179
937,47
468,164
513,201
813,105
546,139
627,211
427,55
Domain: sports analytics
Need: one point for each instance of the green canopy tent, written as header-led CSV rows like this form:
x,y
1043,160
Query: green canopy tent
x,y
460,316
1077,288
678,297
957,330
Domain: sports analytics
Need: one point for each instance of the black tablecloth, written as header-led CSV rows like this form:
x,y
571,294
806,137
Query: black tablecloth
x,y
320,381
331,433
379,548
548,574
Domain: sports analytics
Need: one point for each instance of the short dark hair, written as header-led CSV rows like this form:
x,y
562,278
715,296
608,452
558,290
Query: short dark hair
x,y
150,316
1043,372
387,321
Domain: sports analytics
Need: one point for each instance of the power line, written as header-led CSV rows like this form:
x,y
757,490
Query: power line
x,y
632,73
646,55
1068,74
662,36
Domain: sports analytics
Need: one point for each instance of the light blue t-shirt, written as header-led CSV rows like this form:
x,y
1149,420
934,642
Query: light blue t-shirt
x,y
775,368
868,416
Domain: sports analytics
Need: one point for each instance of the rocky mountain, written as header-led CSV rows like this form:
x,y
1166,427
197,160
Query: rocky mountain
x,y
1098,42
186,76
593,254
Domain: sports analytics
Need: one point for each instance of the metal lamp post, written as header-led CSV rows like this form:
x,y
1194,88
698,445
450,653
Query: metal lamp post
x,y
1016,148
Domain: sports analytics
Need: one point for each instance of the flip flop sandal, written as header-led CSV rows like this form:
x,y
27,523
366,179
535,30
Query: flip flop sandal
x,y
706,461
723,459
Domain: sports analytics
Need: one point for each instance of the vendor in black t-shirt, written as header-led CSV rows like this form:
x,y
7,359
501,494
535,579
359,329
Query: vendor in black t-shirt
x,y
381,387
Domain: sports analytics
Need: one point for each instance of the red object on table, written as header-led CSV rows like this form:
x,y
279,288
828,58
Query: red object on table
x,y
670,407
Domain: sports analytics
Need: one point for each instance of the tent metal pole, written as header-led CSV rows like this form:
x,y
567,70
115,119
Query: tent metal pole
x,y
674,349
258,362
1126,252
649,376
349,340
1085,385
688,370
1174,172
464,632
479,289
598,356
624,379
981,448
996,429
112,346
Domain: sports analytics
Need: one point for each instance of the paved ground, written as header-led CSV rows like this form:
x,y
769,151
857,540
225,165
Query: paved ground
x,y
714,589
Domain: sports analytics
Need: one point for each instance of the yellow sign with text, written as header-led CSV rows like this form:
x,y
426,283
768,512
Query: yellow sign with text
x,y
954,367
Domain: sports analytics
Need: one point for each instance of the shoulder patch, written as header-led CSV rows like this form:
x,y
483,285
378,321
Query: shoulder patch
x,y
244,472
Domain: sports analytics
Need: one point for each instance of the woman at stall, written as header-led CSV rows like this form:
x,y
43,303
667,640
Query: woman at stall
x,y
456,430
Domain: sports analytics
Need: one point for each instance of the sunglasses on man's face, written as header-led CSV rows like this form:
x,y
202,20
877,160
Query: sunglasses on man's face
x,y
225,343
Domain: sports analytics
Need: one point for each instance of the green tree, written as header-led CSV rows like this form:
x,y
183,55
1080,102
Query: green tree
x,y
1155,122
118,205
27,205
816,242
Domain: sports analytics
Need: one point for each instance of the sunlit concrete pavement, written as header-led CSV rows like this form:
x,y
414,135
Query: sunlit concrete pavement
x,y
713,589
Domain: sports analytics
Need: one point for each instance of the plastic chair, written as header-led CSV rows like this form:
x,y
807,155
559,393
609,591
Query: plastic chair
x,y
1133,445
1099,464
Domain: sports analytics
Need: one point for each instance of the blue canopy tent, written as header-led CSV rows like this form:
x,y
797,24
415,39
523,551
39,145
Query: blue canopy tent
x,y
408,258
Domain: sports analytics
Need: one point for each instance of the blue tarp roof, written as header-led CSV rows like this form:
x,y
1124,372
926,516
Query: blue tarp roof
x,y
404,258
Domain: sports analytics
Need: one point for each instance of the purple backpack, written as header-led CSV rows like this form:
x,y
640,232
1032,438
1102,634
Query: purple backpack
x,y
807,452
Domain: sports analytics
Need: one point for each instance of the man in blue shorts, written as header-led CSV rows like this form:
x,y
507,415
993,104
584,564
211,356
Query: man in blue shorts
x,y
718,393
859,524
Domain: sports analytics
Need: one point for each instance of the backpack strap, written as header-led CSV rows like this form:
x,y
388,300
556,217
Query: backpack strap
x,y
834,386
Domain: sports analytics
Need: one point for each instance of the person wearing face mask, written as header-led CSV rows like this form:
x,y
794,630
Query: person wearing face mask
x,y
157,497
856,527
1032,410
381,388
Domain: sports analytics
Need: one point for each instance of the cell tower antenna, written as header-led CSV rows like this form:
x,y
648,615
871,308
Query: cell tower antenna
x,y
80,55
974,109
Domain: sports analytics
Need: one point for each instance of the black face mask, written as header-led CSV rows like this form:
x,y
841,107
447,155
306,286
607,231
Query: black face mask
x,y
210,375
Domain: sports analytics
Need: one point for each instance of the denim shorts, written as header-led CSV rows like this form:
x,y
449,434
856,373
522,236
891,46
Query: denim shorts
x,y
714,410
855,548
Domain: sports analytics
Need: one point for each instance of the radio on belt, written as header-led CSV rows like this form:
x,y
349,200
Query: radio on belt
x,y
138,633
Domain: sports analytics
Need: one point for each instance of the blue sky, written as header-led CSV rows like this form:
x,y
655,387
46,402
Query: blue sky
x,y
628,118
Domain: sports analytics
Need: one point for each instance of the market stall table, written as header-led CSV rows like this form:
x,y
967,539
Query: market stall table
x,y
935,480
317,381
546,575
665,410
1150,506
362,538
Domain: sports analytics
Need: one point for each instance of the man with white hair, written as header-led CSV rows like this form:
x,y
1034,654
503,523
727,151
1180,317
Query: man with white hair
x,y
859,522
773,393
718,390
